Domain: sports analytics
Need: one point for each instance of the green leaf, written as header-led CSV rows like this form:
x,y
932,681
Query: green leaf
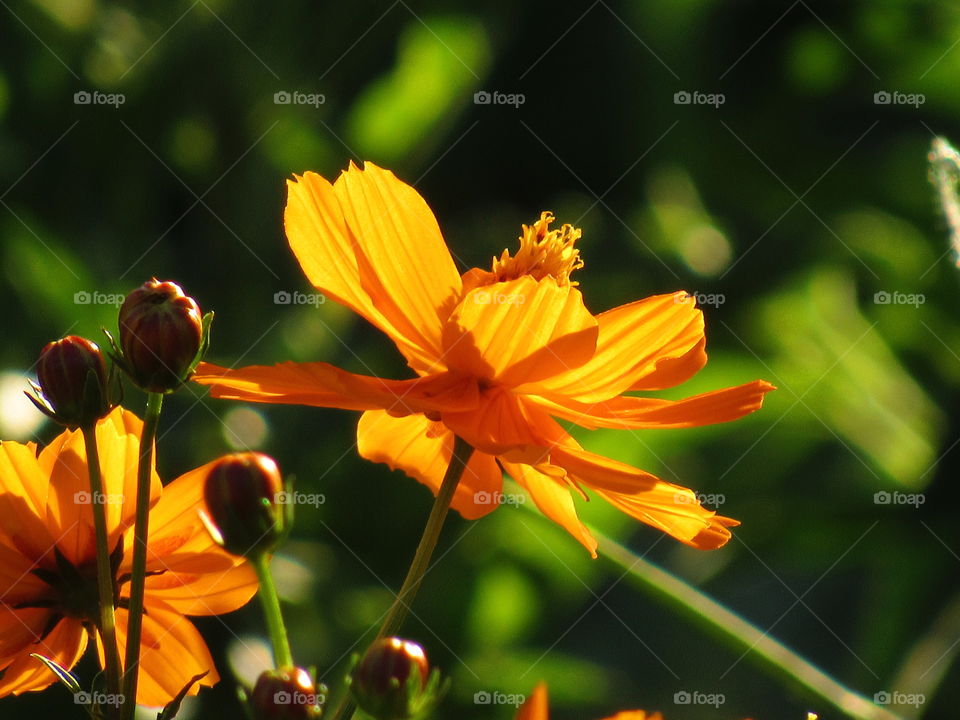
x,y
173,707
63,675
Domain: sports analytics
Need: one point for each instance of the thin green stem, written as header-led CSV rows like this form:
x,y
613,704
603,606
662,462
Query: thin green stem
x,y
743,635
107,625
139,569
282,657
421,559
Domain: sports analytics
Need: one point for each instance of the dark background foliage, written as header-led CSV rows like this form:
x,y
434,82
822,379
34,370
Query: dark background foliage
x,y
795,202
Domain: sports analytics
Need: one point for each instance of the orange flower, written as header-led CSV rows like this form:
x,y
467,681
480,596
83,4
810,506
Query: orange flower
x,y
498,355
535,708
48,588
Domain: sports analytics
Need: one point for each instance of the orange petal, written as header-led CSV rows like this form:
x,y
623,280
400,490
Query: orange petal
x,y
17,583
324,385
69,504
535,708
635,715
404,264
327,251
195,576
422,449
171,652
64,645
637,343
626,412
505,423
554,500
671,508
519,331
24,484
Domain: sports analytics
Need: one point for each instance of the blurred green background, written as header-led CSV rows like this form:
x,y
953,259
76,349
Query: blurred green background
x,y
798,199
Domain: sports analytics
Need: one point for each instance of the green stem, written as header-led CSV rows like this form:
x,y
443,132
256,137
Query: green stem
x,y
108,628
139,569
421,559
282,657
730,626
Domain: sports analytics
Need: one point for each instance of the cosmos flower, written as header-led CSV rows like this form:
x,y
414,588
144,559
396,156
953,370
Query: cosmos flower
x,y
499,356
48,587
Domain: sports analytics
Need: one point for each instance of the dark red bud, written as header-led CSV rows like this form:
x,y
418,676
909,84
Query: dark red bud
x,y
246,502
390,681
286,694
161,330
72,375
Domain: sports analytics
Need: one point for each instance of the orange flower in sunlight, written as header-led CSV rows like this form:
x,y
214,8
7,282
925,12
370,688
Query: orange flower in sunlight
x,y
498,355
535,708
48,588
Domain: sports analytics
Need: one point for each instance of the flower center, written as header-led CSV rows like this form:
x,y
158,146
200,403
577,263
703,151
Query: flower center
x,y
543,252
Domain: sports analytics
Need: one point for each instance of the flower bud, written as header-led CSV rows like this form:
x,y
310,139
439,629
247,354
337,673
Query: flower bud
x,y
246,503
161,331
392,681
286,694
73,385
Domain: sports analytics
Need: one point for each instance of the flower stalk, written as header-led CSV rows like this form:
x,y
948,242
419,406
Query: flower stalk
x,y
107,624
428,541
462,450
282,657
139,567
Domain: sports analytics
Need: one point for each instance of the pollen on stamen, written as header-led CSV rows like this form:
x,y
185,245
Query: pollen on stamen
x,y
543,252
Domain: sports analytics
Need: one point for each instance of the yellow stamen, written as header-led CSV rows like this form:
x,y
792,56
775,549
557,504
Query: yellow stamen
x,y
542,252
